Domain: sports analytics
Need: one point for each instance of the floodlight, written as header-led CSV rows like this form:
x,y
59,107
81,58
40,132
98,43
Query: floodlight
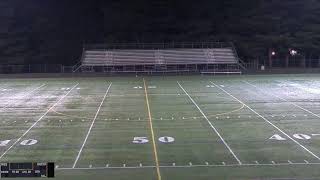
x,y
293,52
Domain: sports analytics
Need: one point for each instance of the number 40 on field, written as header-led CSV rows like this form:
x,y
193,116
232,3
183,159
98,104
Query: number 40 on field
x,y
296,136
27,142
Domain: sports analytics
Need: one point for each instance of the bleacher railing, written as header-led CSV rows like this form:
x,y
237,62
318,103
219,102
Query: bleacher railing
x,y
159,45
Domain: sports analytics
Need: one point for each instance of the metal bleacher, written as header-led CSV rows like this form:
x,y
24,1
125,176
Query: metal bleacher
x,y
204,59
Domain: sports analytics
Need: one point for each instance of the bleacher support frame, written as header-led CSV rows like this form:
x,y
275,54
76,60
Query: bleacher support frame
x,y
162,68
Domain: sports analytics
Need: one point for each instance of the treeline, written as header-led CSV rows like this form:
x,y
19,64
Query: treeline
x,y
54,31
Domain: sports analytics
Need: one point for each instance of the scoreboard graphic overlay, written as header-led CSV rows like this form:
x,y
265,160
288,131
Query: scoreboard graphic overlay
x,y
11,170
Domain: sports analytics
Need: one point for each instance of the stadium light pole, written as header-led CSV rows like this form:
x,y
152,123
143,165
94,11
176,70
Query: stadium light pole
x,y
293,53
272,53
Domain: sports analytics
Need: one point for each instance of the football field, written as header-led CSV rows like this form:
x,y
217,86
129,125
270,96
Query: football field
x,y
165,127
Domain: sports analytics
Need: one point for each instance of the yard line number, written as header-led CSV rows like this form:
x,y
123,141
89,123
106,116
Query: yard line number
x,y
144,140
297,136
27,142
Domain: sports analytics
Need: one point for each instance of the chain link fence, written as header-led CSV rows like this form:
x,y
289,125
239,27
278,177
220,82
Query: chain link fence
x,y
281,63
59,68
35,68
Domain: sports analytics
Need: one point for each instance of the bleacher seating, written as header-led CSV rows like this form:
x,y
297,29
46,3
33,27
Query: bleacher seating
x,y
120,57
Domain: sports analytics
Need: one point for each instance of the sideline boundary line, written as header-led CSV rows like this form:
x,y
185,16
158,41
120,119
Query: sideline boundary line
x,y
89,131
306,110
265,119
193,166
27,131
152,132
215,130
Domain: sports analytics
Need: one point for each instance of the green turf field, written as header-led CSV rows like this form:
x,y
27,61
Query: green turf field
x,y
165,127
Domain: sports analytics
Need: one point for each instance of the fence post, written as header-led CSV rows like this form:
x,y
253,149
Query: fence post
x,y
303,61
287,61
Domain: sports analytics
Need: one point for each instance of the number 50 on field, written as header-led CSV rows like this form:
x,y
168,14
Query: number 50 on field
x,y
144,140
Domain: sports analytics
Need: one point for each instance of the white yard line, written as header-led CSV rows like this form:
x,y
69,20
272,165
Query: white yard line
x,y
89,131
26,94
215,130
265,119
26,132
306,110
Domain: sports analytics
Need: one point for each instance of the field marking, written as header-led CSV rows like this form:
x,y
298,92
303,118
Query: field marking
x,y
89,131
26,94
265,119
150,94
35,123
307,162
152,132
188,118
215,130
193,166
271,94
